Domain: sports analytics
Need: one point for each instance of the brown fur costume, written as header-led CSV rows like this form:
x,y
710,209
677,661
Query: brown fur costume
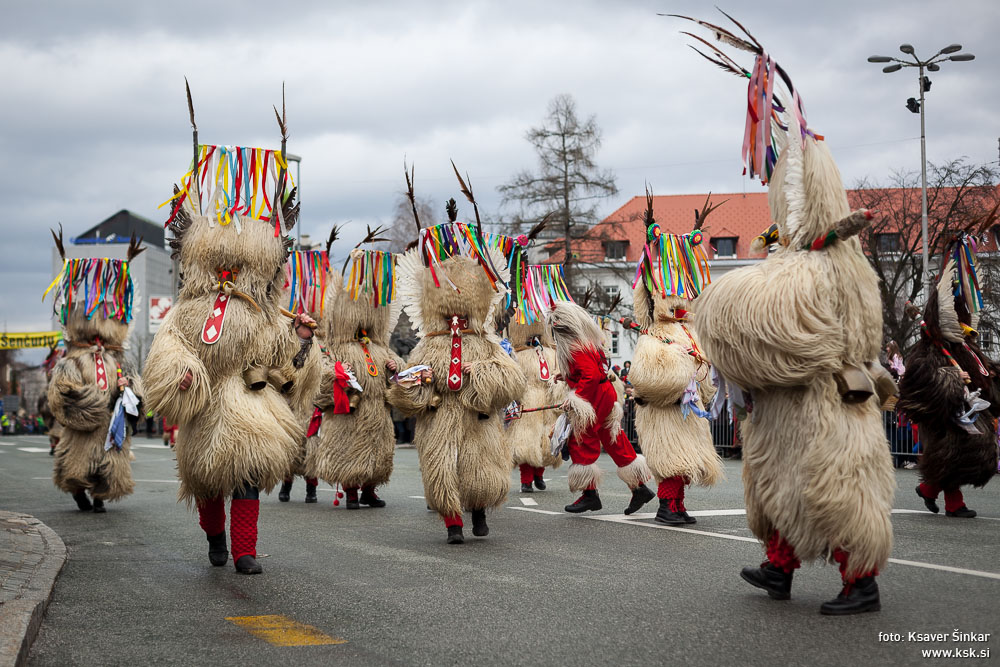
x,y
815,467
529,435
931,393
674,445
229,435
84,411
464,459
355,449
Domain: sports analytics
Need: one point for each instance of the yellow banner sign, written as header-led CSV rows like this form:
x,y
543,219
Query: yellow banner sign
x,y
20,341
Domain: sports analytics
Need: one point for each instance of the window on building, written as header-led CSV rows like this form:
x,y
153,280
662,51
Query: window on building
x,y
887,242
725,246
614,343
612,291
986,340
615,250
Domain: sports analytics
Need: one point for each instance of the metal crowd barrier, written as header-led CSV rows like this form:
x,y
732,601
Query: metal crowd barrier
x,y
903,443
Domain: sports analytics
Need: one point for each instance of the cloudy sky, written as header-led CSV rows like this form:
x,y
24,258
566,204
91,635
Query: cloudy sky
x,y
93,117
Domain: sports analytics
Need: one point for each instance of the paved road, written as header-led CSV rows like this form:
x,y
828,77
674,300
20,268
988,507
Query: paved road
x,y
545,588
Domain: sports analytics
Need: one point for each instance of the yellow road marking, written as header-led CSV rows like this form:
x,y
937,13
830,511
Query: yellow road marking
x,y
283,631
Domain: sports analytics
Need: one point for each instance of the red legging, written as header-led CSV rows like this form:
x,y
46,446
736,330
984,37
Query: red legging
x,y
953,500
529,473
672,489
781,555
242,524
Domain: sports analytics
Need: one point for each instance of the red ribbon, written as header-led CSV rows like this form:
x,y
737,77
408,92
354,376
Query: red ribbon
x,y
341,404
314,423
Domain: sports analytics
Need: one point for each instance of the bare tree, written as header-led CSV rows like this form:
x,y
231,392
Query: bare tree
x,y
959,195
568,182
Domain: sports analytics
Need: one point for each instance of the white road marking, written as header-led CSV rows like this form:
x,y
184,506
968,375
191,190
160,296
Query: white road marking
x,y
417,497
528,501
161,446
632,521
34,450
528,509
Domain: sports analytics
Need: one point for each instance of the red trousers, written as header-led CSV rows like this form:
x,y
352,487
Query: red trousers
x,y
242,523
529,473
585,450
781,555
953,500
672,489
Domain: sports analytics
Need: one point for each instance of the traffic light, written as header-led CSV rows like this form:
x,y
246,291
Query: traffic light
x,y
926,83
913,105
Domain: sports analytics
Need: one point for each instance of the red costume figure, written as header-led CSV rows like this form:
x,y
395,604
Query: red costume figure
x,y
594,411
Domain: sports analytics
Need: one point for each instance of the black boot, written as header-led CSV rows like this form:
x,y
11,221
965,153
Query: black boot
x,y
962,512
285,493
218,554
368,497
248,565
479,527
539,483
82,501
775,581
526,488
310,493
856,598
455,535
99,506
665,514
929,503
687,517
641,495
589,501
351,502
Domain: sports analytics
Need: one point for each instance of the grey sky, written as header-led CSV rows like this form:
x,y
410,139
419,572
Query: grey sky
x,y
93,117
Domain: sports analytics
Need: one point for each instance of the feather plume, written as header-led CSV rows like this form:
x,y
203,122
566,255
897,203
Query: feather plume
x,y
135,248
290,209
699,217
539,226
179,225
187,88
738,71
649,220
451,208
467,191
410,195
745,31
282,118
722,34
59,241
334,234
726,62
371,237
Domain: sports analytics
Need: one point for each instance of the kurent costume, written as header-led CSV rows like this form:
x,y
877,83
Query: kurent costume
x,y
949,389
92,392
450,285
541,287
800,333
671,376
55,429
305,292
356,441
226,363
594,410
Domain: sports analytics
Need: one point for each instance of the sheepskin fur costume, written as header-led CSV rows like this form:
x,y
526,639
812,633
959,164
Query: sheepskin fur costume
x,y
355,449
84,411
662,369
815,468
529,435
230,435
932,395
464,458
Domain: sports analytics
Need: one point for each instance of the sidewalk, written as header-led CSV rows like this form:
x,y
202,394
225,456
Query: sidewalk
x,y
31,556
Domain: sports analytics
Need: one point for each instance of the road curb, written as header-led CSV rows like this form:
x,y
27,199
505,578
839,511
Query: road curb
x,y
31,558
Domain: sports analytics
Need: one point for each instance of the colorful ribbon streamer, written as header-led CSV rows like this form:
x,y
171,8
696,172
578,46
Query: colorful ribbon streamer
x,y
373,274
305,276
105,283
673,264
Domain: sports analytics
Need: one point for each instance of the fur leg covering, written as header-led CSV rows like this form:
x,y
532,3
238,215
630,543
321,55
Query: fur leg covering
x,y
212,515
583,477
452,520
781,554
581,414
243,527
614,421
953,500
635,473
527,473
841,557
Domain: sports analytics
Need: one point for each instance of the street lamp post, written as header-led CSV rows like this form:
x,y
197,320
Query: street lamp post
x,y
923,85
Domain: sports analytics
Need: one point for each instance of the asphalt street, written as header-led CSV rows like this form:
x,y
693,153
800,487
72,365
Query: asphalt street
x,y
381,587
